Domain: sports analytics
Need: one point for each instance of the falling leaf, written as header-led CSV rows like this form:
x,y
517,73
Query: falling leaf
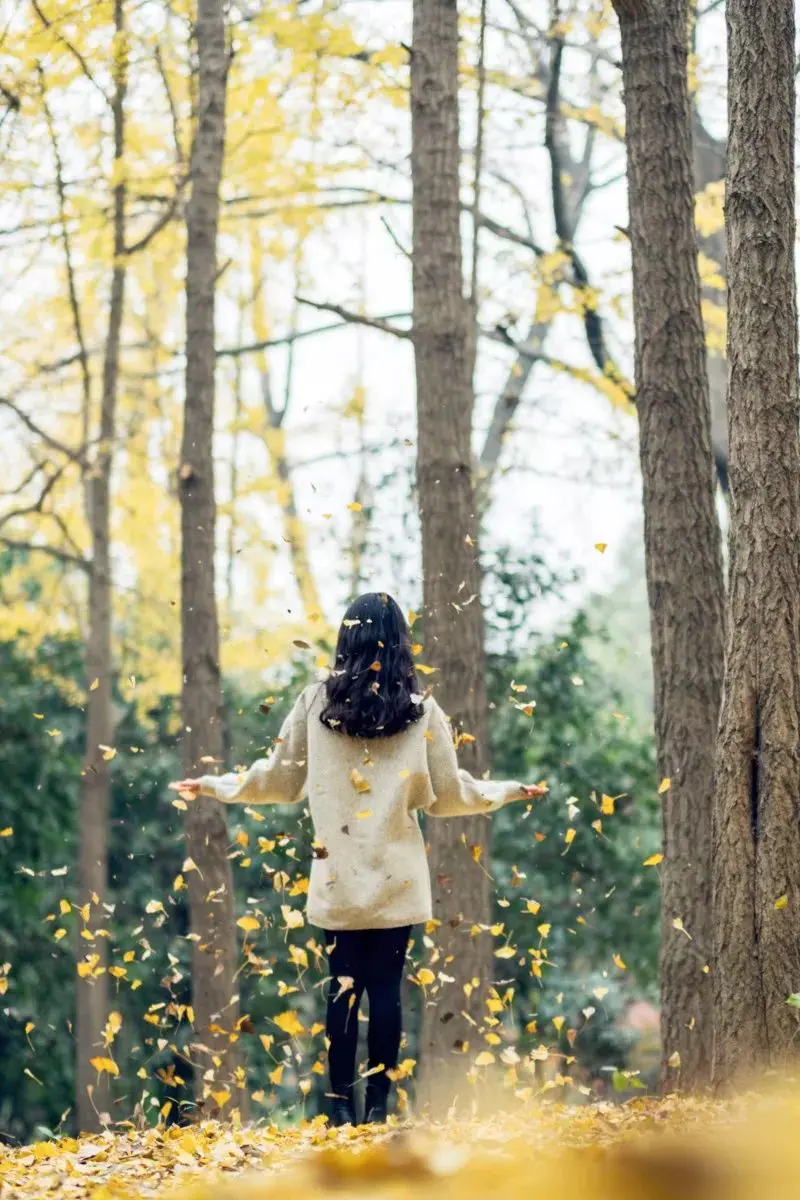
x,y
678,924
674,1060
425,976
653,860
221,1097
664,786
7,832
363,814
424,670
484,1059
533,906
94,685
559,1023
288,1022
359,782
781,902
276,1076
248,924
104,1066
544,929
607,805
619,963
601,547
354,506
505,952
108,752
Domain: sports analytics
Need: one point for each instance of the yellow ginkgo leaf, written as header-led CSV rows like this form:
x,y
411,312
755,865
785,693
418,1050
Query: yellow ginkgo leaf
x,y
781,902
359,782
664,786
653,860
425,976
288,1022
484,1059
104,1066
248,924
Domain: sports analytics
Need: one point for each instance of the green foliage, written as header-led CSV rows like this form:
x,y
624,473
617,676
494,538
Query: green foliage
x,y
593,890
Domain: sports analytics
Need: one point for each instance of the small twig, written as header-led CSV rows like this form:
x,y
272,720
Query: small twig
x,y
355,318
395,238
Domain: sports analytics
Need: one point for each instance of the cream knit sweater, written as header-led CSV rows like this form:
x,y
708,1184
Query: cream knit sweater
x,y
365,795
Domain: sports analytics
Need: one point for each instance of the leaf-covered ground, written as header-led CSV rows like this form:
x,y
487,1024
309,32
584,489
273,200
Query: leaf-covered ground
x,y
644,1150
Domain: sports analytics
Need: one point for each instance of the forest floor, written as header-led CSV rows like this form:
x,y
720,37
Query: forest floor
x,y
646,1149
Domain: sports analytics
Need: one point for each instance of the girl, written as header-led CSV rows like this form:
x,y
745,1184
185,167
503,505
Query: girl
x,y
371,753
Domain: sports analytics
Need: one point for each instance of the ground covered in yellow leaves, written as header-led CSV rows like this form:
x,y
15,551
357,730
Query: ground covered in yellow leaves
x,y
643,1150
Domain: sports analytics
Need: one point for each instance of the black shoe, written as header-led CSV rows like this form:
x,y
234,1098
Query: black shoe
x,y
375,1107
343,1112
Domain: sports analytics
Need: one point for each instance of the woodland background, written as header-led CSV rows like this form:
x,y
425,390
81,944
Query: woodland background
x,y
315,439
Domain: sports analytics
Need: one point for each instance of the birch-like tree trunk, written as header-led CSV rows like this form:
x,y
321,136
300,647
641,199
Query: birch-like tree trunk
x,y
92,1088
757,814
211,900
453,619
682,540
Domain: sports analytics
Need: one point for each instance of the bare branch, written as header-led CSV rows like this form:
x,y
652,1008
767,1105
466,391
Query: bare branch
x,y
161,221
54,552
476,183
73,50
356,318
290,338
29,423
403,250
72,289
173,111
511,235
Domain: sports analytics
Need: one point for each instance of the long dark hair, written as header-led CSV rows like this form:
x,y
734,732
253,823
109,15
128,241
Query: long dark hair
x,y
372,690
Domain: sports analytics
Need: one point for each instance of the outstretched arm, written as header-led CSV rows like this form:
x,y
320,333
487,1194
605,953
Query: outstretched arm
x,y
456,792
279,779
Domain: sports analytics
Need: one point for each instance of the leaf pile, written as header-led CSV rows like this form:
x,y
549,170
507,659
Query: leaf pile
x,y
645,1148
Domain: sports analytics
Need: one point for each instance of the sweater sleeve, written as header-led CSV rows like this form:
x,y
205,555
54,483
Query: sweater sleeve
x,y
456,792
279,779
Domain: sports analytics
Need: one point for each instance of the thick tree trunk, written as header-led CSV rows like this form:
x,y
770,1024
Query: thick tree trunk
x,y
682,543
757,812
93,1093
211,900
453,619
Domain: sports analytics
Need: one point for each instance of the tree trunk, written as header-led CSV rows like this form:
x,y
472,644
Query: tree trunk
x,y
453,619
757,813
211,900
92,1088
682,543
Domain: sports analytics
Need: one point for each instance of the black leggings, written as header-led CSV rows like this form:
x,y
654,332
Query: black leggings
x,y
373,959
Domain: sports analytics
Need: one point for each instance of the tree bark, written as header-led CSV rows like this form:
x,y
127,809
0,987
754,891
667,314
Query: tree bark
x,y
453,619
211,900
92,1088
757,812
682,543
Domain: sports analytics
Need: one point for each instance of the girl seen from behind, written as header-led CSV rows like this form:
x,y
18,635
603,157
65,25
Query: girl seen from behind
x,y
370,753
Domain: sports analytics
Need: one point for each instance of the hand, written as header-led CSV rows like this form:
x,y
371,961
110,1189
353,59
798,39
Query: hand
x,y
188,788
533,791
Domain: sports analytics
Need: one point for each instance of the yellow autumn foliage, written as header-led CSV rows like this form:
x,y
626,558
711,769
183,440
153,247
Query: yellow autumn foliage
x,y
693,1149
